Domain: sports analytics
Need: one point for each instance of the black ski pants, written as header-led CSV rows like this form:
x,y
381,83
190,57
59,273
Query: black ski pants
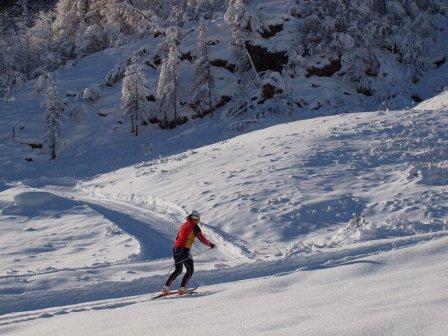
x,y
181,256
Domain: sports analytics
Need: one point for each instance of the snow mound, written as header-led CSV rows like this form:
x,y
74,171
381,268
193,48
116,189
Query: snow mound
x,y
437,103
435,174
42,232
393,227
34,204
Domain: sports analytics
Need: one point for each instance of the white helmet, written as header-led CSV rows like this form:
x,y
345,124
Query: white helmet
x,y
194,214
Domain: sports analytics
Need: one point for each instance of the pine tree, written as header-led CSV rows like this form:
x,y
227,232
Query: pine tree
x,y
70,18
204,90
52,115
134,93
240,20
168,89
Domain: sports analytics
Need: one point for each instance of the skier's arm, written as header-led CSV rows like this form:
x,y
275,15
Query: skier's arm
x,y
198,233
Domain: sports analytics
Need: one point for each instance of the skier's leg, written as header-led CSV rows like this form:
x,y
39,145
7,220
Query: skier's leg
x,y
177,255
189,265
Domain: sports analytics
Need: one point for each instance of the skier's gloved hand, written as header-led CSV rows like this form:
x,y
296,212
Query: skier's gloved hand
x,y
212,245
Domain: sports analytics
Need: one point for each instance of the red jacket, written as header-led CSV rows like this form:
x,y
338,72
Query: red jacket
x,y
187,233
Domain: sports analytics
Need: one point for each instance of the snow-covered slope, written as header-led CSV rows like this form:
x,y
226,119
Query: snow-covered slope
x,y
41,231
401,292
93,129
438,103
331,225
334,225
303,178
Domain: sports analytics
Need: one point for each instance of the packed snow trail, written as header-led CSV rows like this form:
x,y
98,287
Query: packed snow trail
x,y
154,232
96,291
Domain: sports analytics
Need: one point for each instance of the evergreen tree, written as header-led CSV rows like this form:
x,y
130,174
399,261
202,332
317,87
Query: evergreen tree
x,y
168,89
239,18
70,18
204,89
134,93
52,115
240,21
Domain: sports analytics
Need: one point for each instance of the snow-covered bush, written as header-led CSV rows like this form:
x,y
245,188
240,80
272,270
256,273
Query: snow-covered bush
x,y
91,93
91,40
41,84
428,173
391,227
77,112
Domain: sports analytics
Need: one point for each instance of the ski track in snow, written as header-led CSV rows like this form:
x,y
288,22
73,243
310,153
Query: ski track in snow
x,y
152,230
124,289
139,222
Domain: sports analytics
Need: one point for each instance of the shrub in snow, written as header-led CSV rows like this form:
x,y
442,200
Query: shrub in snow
x,y
8,95
77,112
91,93
91,40
41,84
395,226
428,173
119,70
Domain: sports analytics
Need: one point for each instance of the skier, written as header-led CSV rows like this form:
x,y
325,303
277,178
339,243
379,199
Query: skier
x,y
181,251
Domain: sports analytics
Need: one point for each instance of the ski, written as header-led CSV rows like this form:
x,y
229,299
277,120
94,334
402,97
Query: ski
x,y
161,295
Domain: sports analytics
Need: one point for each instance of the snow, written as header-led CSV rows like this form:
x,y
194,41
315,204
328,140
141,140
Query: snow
x,y
282,205
400,292
269,187
41,232
335,225
439,102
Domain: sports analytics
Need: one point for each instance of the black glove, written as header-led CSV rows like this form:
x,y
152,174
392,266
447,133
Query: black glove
x,y
212,245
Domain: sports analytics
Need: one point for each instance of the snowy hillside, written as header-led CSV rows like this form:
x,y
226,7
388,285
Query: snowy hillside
x,y
304,62
300,178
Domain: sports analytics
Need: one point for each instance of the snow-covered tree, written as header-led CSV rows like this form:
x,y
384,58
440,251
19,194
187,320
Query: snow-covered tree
x,y
207,9
54,108
239,17
41,84
204,99
168,89
134,93
242,23
42,36
357,31
70,18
